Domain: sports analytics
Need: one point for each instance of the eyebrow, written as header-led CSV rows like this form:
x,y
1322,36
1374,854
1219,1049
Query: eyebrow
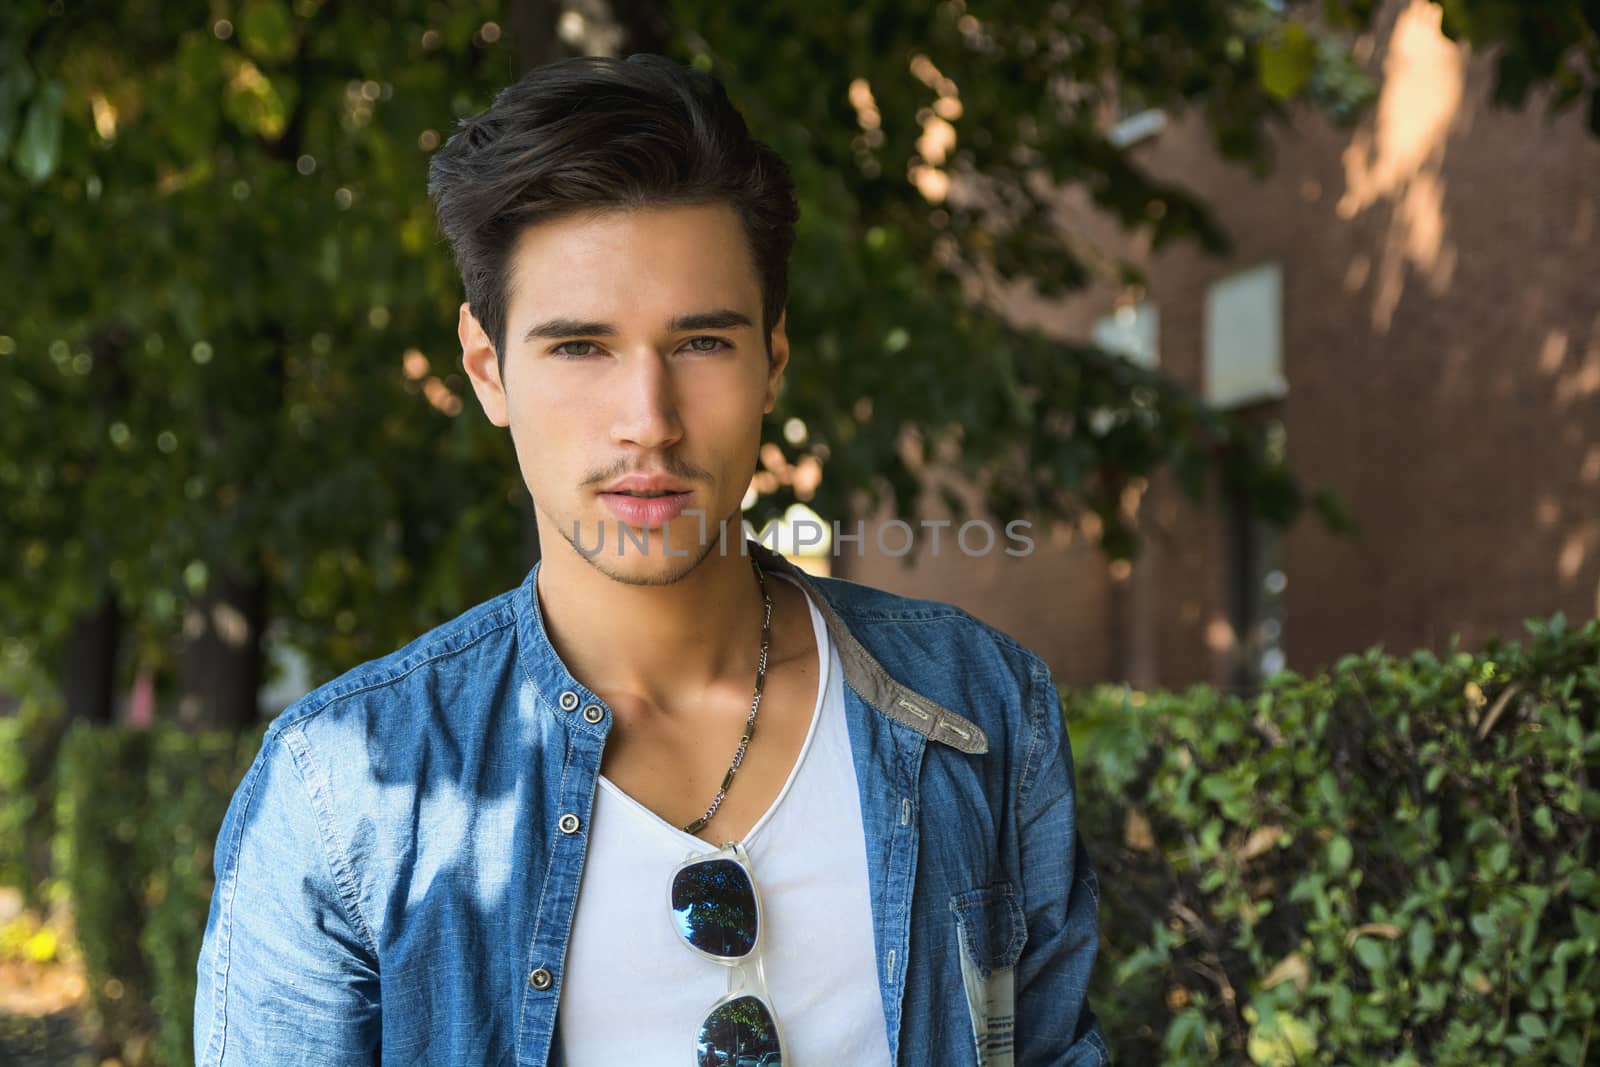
x,y
720,319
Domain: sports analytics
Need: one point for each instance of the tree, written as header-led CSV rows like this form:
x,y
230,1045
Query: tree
x,y
930,143
227,357
229,335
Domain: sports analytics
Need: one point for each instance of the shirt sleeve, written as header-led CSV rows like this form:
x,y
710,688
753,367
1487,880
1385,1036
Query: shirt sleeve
x,y
288,970
1054,1023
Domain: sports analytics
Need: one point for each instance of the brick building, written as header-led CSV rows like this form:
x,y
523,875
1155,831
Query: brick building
x,y
1414,305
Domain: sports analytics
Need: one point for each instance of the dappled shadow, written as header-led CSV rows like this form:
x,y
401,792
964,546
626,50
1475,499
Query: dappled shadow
x,y
1441,344
1397,160
1440,341
1460,412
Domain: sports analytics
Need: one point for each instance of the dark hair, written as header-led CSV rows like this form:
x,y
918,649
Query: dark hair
x,y
592,132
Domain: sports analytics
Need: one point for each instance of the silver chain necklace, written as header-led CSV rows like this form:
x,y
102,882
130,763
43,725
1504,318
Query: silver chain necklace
x,y
755,704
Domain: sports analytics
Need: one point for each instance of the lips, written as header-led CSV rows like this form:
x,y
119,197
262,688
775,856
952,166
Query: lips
x,y
646,511
645,483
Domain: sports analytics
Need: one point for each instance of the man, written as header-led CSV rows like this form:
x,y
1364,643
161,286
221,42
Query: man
x,y
671,801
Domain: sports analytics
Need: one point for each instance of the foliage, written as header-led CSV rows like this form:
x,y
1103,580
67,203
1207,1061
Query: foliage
x,y
29,741
18,807
192,777
222,255
140,814
1393,862
932,149
227,347
101,804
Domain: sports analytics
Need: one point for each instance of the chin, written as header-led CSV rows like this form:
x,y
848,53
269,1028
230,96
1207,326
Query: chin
x,y
644,556
636,569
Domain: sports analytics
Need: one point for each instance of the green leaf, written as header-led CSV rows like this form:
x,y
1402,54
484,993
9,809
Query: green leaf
x,y
1370,952
39,146
1339,854
16,82
1589,804
1286,64
1431,996
1338,517
266,30
1281,1039
253,100
1421,943
1187,1032
1145,959
1543,820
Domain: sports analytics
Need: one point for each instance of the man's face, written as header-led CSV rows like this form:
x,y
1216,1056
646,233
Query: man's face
x,y
633,349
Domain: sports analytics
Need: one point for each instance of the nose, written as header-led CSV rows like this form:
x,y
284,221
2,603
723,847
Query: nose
x,y
646,404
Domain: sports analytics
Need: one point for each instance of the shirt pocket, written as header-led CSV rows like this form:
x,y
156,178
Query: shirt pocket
x,y
990,931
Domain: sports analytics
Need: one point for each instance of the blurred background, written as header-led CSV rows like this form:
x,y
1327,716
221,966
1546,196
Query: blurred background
x,y
1277,320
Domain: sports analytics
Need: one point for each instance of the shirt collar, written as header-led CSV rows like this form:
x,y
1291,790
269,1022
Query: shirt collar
x,y
561,694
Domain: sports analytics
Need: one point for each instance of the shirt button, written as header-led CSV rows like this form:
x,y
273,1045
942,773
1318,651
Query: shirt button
x,y
569,700
540,979
593,713
568,823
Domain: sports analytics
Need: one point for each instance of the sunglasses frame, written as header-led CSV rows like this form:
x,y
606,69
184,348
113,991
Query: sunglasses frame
x,y
734,852
737,965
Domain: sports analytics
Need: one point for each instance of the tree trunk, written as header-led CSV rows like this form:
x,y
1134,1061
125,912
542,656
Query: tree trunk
x,y
89,665
220,669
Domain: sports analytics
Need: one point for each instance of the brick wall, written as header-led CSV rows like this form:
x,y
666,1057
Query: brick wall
x,y
1441,341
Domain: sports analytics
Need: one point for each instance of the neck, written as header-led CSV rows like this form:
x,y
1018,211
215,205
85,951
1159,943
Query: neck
x,y
654,645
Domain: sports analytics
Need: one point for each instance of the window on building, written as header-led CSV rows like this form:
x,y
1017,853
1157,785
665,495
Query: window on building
x,y
1244,339
1136,126
1133,331
1134,118
1255,584
1244,374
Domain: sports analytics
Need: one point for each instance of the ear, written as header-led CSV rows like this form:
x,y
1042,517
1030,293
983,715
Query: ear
x,y
778,362
482,365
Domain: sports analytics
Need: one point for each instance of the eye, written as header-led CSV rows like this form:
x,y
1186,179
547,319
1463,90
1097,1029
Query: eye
x,y
574,349
707,344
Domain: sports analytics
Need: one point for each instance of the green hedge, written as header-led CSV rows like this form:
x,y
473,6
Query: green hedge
x,y
101,812
139,812
29,743
1391,863
19,810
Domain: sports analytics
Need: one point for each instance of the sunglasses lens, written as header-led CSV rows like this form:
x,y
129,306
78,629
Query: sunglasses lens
x,y
714,905
739,1032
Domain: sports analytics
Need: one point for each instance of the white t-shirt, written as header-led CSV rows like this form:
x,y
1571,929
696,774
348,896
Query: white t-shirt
x,y
636,994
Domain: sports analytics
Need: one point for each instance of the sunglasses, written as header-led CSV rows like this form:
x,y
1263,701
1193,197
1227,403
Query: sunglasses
x,y
717,912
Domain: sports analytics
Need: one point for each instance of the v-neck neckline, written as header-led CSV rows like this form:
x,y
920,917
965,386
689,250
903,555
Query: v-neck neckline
x,y
820,639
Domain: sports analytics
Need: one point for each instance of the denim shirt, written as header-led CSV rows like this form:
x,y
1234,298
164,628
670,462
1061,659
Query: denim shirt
x,y
397,871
